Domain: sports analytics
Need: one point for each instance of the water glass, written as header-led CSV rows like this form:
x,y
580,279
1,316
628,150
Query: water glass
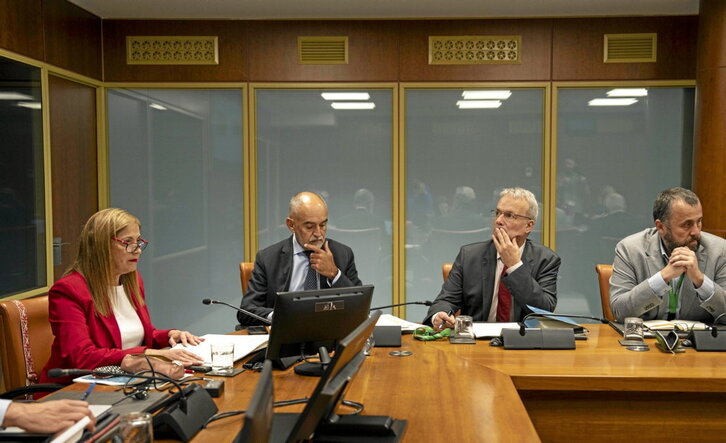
x,y
370,343
223,357
633,329
136,427
464,327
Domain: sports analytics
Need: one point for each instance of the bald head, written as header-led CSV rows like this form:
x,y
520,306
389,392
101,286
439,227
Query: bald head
x,y
308,218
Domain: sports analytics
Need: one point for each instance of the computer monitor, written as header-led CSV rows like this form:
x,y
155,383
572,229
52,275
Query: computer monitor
x,y
306,320
334,382
257,425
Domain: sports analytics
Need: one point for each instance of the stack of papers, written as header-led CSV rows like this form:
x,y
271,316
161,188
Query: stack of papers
x,y
491,330
244,345
392,320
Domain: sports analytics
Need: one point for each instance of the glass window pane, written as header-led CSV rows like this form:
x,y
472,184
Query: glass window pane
x,y
457,161
22,194
612,162
175,161
345,155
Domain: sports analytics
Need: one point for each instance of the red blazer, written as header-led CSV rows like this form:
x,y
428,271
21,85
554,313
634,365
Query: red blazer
x,y
84,339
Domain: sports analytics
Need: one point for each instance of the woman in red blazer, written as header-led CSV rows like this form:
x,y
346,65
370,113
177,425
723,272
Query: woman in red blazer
x,y
97,310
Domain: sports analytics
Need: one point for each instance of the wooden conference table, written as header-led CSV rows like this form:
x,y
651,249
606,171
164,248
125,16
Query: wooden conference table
x,y
460,393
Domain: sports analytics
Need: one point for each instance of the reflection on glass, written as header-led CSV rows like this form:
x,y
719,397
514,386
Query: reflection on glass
x,y
344,155
612,162
175,161
457,161
22,196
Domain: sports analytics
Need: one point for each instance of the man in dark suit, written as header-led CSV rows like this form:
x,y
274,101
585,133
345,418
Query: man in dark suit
x,y
494,280
304,261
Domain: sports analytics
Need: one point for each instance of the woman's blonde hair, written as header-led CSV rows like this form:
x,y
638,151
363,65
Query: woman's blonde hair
x,y
94,258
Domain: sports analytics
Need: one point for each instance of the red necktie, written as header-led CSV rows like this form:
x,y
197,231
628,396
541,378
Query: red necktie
x,y
504,300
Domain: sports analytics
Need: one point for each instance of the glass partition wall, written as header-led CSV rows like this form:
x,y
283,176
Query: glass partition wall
x,y
617,148
338,143
462,147
175,161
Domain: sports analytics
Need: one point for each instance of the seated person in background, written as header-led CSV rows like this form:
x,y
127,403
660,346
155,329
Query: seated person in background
x,y
46,417
306,260
97,310
494,280
672,270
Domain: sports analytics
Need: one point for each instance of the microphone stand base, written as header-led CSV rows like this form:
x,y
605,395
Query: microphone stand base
x,y
184,424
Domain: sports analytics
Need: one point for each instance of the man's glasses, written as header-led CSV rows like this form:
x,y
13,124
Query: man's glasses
x,y
131,247
508,215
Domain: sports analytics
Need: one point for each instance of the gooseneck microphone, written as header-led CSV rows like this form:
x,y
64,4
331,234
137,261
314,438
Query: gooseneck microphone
x,y
208,301
425,303
714,325
554,315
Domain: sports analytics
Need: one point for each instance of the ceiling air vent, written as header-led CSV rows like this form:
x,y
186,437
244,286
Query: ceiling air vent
x,y
316,50
630,48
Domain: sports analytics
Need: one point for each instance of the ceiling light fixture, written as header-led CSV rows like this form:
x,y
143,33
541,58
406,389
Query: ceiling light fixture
x,y
353,105
478,104
29,105
487,95
612,101
158,106
14,96
332,96
628,92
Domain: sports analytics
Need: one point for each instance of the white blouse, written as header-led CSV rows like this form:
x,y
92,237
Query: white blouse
x,y
129,323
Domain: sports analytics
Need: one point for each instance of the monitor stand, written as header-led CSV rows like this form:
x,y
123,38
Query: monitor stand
x,y
348,428
315,369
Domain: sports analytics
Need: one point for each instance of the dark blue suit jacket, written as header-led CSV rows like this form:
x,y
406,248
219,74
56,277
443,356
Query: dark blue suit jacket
x,y
273,270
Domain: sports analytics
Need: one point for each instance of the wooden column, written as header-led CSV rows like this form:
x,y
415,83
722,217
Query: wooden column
x,y
709,163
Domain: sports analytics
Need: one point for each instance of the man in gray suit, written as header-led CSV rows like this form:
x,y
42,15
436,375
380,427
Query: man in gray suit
x,y
306,260
494,280
672,270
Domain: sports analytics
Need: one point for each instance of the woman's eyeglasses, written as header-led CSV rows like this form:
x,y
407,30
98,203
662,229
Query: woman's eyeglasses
x,y
131,247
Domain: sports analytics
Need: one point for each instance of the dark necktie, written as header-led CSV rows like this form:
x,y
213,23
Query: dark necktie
x,y
311,279
504,299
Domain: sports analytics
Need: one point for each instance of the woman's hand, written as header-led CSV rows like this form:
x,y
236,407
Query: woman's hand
x,y
184,337
185,357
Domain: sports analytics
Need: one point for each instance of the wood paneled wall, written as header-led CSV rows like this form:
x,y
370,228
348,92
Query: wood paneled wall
x,y
397,50
53,31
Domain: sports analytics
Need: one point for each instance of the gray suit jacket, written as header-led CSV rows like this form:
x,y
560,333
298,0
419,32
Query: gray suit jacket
x,y
470,286
638,257
273,270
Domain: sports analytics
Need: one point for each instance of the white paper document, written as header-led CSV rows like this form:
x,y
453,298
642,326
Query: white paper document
x,y
392,320
489,330
244,345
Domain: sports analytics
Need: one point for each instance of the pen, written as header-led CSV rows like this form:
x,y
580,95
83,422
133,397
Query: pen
x,y
88,391
448,314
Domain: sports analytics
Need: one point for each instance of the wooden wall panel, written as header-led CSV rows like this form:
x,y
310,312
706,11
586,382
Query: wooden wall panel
x,y
21,27
372,51
233,55
72,38
73,162
577,48
535,65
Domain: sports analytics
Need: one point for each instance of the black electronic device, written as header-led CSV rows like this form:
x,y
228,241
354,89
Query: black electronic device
x,y
305,321
387,336
200,368
710,339
256,330
318,420
536,338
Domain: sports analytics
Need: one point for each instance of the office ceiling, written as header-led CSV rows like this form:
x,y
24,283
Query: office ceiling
x,y
370,9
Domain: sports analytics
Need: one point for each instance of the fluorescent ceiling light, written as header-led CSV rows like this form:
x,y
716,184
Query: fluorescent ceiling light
x,y
14,96
612,101
158,106
353,105
486,95
29,105
330,96
629,92
478,104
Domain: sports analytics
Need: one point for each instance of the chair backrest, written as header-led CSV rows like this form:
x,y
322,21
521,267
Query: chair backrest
x,y
24,322
445,269
245,273
603,278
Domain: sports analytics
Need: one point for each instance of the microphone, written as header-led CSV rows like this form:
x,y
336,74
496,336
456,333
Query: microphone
x,y
207,301
425,303
553,315
182,419
714,325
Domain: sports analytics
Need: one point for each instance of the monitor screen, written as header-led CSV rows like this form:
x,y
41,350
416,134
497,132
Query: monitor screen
x,y
257,426
304,321
329,391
